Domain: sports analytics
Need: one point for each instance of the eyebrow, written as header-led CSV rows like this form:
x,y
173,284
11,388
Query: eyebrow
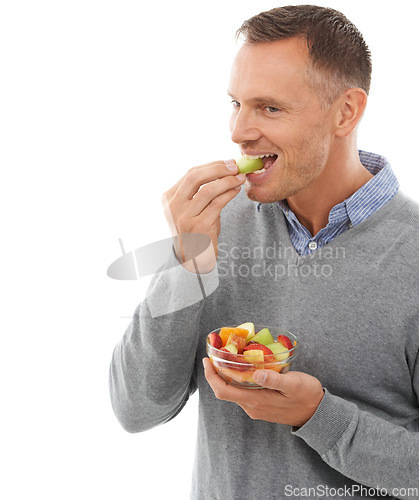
x,y
265,100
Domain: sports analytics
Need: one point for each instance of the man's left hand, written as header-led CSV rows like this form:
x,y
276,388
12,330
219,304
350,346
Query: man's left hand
x,y
291,398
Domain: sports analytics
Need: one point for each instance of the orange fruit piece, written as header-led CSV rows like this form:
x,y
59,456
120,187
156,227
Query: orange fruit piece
x,y
225,333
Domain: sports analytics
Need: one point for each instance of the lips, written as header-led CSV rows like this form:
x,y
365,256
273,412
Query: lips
x,y
264,174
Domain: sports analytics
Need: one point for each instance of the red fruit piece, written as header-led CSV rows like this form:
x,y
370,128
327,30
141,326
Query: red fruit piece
x,y
267,353
285,341
215,340
259,347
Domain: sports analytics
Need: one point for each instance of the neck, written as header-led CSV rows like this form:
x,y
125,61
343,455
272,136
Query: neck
x,y
342,176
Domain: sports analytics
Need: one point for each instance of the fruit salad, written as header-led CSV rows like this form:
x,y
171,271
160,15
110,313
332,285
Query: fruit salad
x,y
236,352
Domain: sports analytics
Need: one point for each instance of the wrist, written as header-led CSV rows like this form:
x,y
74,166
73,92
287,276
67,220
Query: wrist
x,y
204,263
312,407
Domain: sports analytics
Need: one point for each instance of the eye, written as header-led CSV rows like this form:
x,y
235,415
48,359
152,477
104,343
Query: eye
x,y
235,103
272,109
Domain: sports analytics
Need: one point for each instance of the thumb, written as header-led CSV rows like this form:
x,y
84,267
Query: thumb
x,y
271,380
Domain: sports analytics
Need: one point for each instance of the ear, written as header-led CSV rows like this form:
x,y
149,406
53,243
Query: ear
x,y
351,108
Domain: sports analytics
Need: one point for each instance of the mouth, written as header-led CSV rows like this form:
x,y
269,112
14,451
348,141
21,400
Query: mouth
x,y
268,160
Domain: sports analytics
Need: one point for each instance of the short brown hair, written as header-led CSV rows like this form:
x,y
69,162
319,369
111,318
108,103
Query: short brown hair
x,y
339,57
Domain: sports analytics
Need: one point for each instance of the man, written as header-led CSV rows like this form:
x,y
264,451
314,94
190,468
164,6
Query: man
x,y
340,273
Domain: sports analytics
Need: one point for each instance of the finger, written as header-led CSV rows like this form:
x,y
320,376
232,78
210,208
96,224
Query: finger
x,y
168,195
221,389
167,208
170,192
233,169
208,367
198,176
213,209
270,379
210,192
168,215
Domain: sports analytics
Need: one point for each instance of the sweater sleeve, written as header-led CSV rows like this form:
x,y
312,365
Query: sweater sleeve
x,y
152,372
364,447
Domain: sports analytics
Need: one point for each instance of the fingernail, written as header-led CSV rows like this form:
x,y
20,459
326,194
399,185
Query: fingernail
x,y
260,377
231,164
241,177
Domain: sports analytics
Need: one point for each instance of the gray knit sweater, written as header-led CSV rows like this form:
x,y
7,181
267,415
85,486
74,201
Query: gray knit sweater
x,y
354,304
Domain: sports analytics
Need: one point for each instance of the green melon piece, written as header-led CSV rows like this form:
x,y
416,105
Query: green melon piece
x,y
247,166
263,337
280,352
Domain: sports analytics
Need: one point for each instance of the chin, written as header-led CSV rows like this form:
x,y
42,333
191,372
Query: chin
x,y
262,196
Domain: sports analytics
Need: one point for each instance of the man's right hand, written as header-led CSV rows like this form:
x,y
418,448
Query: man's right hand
x,y
194,204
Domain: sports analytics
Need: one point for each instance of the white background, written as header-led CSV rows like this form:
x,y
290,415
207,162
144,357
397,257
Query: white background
x,y
104,105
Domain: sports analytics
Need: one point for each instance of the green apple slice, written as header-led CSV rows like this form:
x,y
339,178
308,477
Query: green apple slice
x,y
263,337
280,352
250,327
247,165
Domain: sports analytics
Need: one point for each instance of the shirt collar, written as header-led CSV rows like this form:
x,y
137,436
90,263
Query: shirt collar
x,y
365,200
375,193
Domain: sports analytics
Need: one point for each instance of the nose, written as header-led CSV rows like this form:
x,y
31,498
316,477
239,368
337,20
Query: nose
x,y
243,127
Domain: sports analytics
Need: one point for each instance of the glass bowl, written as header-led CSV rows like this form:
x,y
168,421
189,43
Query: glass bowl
x,y
236,370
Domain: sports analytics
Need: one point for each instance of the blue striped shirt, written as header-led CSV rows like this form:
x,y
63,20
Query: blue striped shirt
x,y
350,212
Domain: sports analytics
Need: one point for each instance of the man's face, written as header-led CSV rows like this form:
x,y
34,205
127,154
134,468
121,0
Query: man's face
x,y
276,112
